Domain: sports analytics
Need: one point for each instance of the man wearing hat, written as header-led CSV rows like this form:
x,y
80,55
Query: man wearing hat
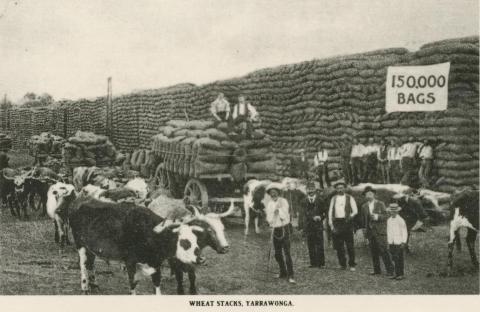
x,y
312,213
411,204
397,239
279,219
425,153
375,217
340,218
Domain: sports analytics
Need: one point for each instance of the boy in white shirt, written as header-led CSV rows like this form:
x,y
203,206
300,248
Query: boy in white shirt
x,y
397,236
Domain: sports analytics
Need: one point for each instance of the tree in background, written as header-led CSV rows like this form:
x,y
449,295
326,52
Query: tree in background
x,y
30,99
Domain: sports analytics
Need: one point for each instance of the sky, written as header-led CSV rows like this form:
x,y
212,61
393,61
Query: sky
x,y
68,48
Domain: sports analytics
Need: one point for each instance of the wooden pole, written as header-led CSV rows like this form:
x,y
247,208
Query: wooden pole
x,y
109,109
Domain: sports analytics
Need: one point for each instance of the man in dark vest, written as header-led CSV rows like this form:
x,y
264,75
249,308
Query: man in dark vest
x,y
244,113
340,218
312,213
375,218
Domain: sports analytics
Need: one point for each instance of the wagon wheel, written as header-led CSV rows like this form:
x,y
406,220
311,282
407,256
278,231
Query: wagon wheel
x,y
196,191
161,178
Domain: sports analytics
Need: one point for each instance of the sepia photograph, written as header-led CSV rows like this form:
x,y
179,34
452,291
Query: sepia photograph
x,y
239,148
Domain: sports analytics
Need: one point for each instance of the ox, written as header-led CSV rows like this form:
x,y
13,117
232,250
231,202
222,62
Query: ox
x,y
7,190
122,232
33,182
212,235
255,199
136,190
82,176
464,214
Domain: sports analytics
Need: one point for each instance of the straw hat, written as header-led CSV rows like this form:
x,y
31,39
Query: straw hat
x,y
394,207
274,186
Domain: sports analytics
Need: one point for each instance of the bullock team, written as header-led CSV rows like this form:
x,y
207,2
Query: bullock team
x,y
116,222
112,222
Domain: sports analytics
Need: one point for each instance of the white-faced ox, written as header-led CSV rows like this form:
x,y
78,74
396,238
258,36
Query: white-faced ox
x,y
212,234
464,210
123,232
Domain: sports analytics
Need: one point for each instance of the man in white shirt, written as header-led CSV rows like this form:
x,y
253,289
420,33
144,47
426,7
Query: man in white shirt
x,y
394,157
279,219
220,108
409,152
320,161
244,113
358,150
426,157
397,236
340,219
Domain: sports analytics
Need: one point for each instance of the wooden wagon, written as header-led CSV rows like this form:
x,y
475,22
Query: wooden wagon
x,y
213,192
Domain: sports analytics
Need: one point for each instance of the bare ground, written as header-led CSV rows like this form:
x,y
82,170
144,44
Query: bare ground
x,y
31,264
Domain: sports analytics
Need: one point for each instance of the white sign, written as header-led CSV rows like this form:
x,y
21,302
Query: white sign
x,y
417,88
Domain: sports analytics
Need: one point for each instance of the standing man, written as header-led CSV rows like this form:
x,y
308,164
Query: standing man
x,y
313,212
244,113
397,236
409,151
220,109
375,218
340,218
345,148
394,157
320,161
426,158
279,219
4,159
371,157
358,150
299,166
382,156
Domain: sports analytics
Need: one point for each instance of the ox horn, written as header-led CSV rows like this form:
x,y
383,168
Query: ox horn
x,y
196,215
7,178
162,226
230,211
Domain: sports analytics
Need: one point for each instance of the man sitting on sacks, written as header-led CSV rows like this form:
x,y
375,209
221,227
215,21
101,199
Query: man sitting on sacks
x,y
244,114
220,109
